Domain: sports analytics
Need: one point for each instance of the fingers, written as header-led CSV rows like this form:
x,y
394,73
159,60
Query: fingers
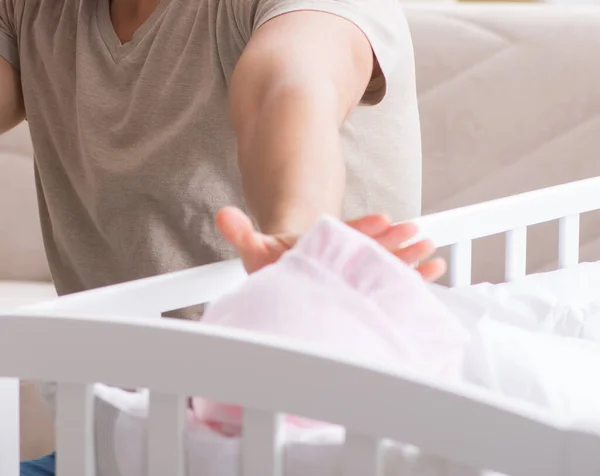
x,y
396,235
371,225
392,237
379,227
432,270
416,252
255,249
236,228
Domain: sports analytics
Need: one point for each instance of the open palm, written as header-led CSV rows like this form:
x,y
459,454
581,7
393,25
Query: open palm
x,y
257,250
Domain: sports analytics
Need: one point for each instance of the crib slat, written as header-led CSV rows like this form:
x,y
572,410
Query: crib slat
x,y
75,430
460,264
516,254
9,424
262,444
568,241
362,456
166,425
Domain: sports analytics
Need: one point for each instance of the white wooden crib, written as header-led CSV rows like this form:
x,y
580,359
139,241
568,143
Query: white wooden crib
x,y
468,427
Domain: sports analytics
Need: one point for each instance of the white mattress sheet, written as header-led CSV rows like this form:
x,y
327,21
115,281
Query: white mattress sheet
x,y
564,303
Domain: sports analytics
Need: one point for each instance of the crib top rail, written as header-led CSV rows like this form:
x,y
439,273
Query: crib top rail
x,y
510,213
241,367
152,296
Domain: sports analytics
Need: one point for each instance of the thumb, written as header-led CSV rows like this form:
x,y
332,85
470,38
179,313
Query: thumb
x,y
237,229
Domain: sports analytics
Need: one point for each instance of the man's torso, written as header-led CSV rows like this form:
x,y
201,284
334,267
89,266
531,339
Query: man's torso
x,y
134,150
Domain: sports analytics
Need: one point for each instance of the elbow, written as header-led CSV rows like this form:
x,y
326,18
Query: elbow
x,y
284,103
313,95
284,120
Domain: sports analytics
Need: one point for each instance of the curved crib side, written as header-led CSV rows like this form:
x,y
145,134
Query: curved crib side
x,y
247,369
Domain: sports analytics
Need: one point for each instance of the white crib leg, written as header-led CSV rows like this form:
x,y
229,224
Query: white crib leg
x,y
262,444
460,264
75,430
362,456
9,427
568,241
516,254
166,425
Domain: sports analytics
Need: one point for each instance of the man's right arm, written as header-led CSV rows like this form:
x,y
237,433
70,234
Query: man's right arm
x,y
12,110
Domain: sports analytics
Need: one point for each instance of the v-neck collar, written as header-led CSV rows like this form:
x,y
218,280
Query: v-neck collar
x,y
116,48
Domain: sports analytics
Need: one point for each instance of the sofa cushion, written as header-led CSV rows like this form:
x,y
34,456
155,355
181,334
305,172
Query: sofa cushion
x,y
22,254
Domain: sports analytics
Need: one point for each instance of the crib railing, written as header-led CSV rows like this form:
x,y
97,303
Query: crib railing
x,y
469,427
512,215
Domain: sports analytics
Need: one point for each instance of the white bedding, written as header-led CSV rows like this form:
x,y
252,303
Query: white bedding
x,y
564,303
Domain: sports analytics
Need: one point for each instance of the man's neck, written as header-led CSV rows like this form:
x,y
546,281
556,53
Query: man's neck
x,y
134,4
128,15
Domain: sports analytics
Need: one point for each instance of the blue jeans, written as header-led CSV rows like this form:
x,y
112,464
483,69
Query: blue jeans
x,y
39,467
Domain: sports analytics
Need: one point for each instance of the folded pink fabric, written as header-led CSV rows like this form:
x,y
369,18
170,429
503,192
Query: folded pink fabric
x,y
339,289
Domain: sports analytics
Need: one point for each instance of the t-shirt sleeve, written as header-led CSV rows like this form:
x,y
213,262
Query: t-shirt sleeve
x,y
381,21
8,38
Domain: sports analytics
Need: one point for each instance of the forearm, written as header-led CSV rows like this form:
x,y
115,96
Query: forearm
x,y
290,159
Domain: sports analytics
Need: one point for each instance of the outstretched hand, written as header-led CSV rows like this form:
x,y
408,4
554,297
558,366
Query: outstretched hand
x,y
258,250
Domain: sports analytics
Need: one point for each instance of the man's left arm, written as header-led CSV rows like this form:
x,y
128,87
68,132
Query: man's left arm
x,y
300,76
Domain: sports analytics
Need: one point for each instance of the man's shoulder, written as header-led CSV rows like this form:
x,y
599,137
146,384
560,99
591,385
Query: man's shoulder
x,y
29,16
39,7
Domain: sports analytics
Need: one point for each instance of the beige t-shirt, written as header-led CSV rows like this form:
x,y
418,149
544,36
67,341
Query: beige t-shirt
x,y
134,150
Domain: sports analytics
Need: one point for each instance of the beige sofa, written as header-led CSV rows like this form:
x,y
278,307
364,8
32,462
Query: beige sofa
x,y
510,101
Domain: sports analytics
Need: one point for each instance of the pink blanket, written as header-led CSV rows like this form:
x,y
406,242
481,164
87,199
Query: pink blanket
x,y
339,289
